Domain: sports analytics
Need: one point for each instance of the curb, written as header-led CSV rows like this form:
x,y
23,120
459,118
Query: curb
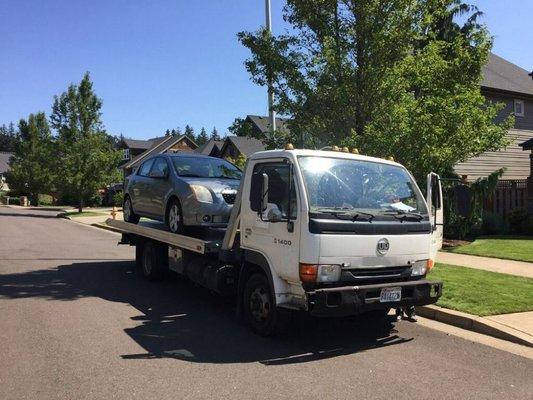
x,y
475,323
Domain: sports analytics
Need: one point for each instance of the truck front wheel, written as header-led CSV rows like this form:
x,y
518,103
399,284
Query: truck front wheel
x,y
260,310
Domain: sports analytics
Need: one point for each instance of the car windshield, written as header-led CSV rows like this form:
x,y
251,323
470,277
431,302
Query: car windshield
x,y
357,186
204,167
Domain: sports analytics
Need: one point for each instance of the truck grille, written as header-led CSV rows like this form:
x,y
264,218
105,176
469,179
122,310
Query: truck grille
x,y
229,197
385,274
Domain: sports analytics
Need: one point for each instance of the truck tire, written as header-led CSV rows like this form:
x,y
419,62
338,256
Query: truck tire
x,y
259,307
127,210
174,217
154,261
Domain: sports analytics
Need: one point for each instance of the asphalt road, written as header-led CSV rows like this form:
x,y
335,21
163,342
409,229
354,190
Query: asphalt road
x,y
77,322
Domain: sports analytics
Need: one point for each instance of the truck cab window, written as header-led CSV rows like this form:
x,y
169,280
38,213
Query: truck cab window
x,y
278,187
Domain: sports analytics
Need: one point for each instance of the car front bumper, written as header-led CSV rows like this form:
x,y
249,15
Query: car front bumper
x,y
353,300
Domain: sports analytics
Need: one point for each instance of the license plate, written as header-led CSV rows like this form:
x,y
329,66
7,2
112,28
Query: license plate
x,y
390,294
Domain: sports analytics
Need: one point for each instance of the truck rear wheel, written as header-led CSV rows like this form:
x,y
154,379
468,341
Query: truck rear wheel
x,y
259,306
154,261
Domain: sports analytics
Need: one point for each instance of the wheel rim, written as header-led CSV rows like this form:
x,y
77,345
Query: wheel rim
x,y
147,264
174,218
260,304
127,209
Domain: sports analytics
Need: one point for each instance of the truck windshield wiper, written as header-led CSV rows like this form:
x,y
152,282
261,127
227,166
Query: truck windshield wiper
x,y
405,215
350,215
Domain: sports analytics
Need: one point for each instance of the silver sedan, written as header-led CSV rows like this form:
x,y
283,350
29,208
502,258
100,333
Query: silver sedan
x,y
182,190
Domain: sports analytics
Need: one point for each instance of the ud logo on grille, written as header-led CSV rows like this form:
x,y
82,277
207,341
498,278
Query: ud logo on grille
x,y
382,246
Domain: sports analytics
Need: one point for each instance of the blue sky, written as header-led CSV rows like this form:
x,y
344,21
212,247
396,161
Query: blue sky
x,y
162,64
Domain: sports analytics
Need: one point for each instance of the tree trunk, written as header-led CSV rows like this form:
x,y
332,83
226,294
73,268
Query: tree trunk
x,y
80,205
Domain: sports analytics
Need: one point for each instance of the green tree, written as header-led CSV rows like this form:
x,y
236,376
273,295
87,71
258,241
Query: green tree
x,y
202,137
242,127
86,160
391,77
189,132
7,137
214,134
30,171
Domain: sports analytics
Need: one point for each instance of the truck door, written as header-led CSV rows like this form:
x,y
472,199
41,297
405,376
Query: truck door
x,y
434,201
270,232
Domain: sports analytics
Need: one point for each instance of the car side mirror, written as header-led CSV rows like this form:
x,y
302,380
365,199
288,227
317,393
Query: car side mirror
x,y
259,192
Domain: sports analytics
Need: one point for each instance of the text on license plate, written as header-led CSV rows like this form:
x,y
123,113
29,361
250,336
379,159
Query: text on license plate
x,y
390,294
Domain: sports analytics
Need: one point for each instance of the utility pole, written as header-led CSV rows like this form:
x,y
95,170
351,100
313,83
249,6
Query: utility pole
x,y
271,113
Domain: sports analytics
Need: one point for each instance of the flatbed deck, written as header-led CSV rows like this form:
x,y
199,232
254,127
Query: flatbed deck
x,y
203,243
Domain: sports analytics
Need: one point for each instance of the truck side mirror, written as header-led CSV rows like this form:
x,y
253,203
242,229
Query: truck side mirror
x,y
259,192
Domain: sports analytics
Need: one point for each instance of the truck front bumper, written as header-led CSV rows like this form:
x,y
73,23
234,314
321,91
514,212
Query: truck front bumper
x,y
353,300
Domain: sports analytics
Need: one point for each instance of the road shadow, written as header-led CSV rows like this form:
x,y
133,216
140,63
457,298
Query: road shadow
x,y
178,320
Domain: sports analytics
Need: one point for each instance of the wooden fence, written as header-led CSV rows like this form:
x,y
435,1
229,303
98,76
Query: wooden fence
x,y
509,194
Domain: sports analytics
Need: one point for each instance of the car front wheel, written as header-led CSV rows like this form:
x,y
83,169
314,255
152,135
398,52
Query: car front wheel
x,y
174,217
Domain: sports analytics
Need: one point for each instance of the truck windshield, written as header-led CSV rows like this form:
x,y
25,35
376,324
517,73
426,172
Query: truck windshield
x,y
338,185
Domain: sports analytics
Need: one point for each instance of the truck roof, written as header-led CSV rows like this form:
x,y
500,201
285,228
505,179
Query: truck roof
x,y
318,153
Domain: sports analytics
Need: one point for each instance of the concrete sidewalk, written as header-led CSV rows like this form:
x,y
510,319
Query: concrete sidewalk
x,y
519,268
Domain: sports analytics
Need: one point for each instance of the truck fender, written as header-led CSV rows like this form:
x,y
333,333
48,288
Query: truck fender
x,y
256,259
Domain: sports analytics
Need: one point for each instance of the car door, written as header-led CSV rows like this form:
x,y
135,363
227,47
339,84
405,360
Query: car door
x,y
140,187
159,187
278,243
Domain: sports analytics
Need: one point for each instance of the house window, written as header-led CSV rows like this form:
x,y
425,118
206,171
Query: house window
x,y
519,108
126,154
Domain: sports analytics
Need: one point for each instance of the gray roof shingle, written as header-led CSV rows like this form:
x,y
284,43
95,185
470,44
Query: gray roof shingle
x,y
263,123
246,145
207,147
143,144
501,74
4,161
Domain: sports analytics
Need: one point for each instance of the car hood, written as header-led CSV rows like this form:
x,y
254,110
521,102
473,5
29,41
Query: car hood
x,y
215,184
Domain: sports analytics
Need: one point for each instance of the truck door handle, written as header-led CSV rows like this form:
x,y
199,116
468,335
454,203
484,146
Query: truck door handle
x,y
247,231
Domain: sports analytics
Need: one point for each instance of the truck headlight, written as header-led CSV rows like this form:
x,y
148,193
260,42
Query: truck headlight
x,y
328,273
419,268
202,193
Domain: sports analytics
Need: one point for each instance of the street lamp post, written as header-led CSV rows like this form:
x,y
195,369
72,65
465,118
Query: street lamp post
x,y
271,113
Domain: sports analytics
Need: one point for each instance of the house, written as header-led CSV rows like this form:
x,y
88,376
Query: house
x,y
4,168
507,83
135,151
211,148
261,125
234,146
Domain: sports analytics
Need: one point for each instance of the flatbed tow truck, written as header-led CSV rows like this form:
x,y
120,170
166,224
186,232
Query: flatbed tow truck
x,y
330,233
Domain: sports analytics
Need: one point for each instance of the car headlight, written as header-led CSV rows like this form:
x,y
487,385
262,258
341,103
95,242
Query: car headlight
x,y
419,268
328,273
202,193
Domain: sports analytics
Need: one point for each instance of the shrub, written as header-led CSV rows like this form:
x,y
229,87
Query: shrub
x,y
118,199
518,220
493,224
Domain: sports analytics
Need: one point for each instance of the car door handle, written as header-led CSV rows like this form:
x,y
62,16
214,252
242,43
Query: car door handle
x,y
247,231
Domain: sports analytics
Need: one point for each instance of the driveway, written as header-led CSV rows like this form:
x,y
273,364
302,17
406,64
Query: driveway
x,y
77,322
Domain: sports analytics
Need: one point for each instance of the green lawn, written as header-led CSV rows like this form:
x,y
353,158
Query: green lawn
x,y
75,214
509,247
482,292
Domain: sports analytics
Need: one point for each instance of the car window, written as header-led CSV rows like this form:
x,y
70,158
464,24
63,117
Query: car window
x,y
278,187
144,169
160,165
205,167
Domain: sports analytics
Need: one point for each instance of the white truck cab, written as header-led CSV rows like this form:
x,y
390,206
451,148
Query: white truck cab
x,y
326,232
